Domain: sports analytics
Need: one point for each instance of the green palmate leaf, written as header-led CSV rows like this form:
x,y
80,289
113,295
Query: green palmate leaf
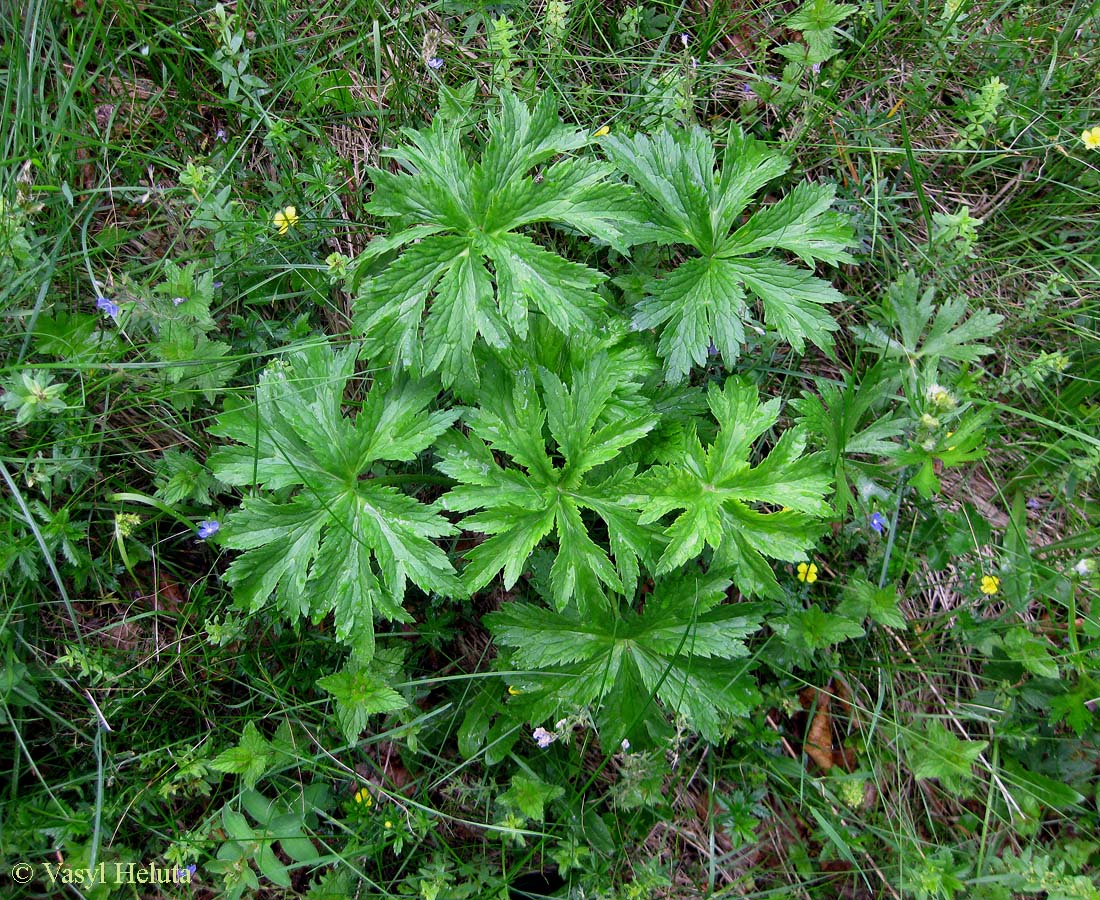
x,y
939,754
550,492
851,422
705,300
249,759
863,600
333,539
471,273
924,331
720,493
530,796
814,629
1075,705
679,650
1031,652
359,694
817,20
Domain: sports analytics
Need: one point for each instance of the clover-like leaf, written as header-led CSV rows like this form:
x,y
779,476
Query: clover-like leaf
x,y
472,272
334,538
705,300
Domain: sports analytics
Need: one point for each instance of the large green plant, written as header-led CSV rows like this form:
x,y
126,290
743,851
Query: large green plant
x,y
570,443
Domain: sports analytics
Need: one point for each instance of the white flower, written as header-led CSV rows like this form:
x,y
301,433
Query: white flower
x,y
940,397
1085,567
543,737
625,745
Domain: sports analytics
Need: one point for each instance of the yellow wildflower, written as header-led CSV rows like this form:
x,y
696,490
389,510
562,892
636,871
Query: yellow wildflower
x,y
990,584
285,219
807,573
388,823
363,796
600,132
1091,138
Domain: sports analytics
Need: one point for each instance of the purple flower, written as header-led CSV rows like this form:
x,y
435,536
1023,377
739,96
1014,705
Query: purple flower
x,y
684,39
816,67
878,522
220,135
747,90
108,306
543,737
208,528
176,301
436,62
1034,503
711,349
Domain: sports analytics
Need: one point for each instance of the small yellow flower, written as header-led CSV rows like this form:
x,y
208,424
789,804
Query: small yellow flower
x,y
388,823
990,584
600,132
807,573
285,219
363,796
1091,138
514,691
126,523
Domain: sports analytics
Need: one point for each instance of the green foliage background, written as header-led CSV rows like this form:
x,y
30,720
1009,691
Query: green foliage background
x,y
565,450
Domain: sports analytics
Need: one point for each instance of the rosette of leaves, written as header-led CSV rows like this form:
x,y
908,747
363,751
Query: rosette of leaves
x,y
538,491
467,267
681,648
745,513
326,532
706,298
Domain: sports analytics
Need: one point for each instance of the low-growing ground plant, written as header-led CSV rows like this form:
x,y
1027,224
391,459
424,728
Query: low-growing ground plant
x,y
585,451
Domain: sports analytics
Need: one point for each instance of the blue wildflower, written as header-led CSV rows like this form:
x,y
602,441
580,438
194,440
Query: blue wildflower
x,y
105,304
208,528
878,522
436,62
176,301
186,873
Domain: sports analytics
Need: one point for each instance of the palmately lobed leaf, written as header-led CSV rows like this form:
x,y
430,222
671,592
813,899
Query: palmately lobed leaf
x,y
704,302
333,540
549,492
725,499
680,648
474,273
358,695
